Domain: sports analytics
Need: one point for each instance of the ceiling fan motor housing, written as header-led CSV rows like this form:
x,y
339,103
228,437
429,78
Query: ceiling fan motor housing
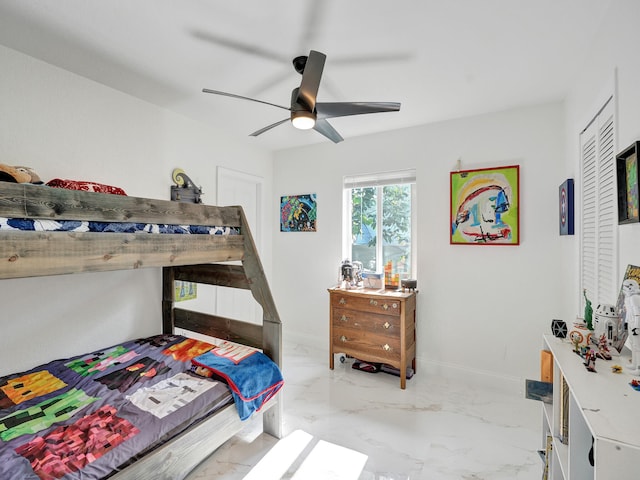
x,y
301,116
299,63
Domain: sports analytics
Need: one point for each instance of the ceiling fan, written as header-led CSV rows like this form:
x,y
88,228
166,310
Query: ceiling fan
x,y
305,112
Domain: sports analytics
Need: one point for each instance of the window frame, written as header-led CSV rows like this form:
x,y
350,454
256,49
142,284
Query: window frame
x,y
379,181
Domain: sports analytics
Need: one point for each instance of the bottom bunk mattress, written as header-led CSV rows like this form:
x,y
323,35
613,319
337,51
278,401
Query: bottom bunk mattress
x,y
87,417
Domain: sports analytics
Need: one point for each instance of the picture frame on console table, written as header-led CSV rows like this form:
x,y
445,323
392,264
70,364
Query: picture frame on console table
x,y
628,196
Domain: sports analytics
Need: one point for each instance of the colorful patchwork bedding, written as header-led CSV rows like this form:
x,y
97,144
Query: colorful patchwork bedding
x,y
89,416
111,227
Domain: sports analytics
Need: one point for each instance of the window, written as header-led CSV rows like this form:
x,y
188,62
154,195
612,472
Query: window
x,y
379,214
598,241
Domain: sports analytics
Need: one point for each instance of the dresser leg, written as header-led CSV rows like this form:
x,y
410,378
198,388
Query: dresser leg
x,y
331,358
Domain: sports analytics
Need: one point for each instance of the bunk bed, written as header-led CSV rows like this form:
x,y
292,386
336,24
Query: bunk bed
x,y
215,259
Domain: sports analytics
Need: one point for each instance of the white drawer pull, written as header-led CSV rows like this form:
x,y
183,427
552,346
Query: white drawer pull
x,y
386,325
342,301
343,318
385,307
373,302
343,338
386,347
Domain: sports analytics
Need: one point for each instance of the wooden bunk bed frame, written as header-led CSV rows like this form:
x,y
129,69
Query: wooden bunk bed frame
x,y
196,258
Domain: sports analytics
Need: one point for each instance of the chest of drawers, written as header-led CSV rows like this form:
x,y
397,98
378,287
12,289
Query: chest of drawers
x,y
374,326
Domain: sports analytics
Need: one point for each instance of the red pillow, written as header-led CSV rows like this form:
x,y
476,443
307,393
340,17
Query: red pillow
x,y
85,186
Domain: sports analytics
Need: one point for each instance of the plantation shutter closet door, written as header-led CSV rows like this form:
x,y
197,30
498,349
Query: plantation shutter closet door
x,y
599,213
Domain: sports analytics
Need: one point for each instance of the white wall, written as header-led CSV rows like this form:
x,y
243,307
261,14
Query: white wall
x,y
481,309
66,126
613,64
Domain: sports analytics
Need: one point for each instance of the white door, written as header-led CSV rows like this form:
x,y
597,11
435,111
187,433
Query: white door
x,y
238,188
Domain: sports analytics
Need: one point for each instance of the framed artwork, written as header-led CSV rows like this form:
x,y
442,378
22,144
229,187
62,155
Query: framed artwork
x,y
298,213
485,206
566,207
627,170
185,290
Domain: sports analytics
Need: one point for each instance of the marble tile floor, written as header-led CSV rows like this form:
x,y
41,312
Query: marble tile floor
x,y
436,429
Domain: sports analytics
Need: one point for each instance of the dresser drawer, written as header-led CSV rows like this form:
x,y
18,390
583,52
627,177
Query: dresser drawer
x,y
374,304
366,345
373,322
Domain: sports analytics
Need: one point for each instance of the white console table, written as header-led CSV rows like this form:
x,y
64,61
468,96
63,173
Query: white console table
x,y
602,408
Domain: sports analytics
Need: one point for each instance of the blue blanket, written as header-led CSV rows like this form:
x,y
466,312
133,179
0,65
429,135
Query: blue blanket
x,y
252,376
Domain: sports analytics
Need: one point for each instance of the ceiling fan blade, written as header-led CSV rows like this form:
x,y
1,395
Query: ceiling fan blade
x,y
238,46
344,109
233,95
311,79
372,59
325,128
268,127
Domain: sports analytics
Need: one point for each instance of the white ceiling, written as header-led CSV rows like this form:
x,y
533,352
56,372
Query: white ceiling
x,y
441,59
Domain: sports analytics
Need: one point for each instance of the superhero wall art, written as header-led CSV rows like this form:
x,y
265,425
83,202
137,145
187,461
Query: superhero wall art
x,y
298,213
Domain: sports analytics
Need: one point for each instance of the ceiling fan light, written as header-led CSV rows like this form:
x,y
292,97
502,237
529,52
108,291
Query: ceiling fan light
x,y
303,120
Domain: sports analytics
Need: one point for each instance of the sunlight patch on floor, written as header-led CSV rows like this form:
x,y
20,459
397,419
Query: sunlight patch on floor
x,y
331,462
310,461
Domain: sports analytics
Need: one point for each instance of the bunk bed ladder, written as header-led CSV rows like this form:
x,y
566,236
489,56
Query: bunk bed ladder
x,y
248,275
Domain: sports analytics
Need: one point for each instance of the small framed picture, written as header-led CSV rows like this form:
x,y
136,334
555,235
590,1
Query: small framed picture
x,y
627,170
298,213
566,211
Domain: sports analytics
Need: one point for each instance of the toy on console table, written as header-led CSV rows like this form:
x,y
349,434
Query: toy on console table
x,y
580,337
590,360
631,291
588,311
603,348
607,323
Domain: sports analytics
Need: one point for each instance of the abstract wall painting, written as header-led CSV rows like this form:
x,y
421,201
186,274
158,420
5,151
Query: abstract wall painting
x,y
298,213
485,206
566,206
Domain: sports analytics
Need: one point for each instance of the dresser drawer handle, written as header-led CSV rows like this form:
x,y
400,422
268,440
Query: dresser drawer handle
x,y
342,301
386,325
386,347
343,339
394,305
373,302
344,318
385,307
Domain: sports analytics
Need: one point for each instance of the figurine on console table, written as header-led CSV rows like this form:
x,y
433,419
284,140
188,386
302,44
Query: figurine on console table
x,y
603,348
590,360
631,291
588,311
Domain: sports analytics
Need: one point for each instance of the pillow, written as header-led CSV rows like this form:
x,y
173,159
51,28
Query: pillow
x,y
85,186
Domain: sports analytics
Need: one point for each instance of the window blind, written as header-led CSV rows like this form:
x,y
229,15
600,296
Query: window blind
x,y
380,179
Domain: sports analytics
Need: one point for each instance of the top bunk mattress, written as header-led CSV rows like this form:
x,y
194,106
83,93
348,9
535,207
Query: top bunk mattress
x,y
41,225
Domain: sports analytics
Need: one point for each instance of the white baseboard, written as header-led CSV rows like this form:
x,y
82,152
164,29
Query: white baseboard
x,y
473,377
